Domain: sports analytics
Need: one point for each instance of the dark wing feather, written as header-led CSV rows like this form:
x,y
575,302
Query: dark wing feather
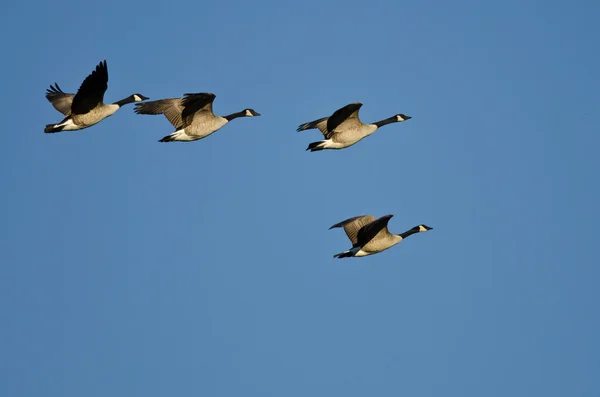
x,y
341,115
171,108
368,232
193,103
353,225
91,92
59,99
310,124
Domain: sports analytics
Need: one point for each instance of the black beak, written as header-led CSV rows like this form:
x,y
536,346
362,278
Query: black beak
x,y
143,97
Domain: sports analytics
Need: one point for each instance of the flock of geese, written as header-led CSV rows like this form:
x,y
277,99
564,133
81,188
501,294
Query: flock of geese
x,y
193,119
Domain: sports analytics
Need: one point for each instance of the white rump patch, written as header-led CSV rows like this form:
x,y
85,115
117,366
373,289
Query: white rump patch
x,y
180,135
69,125
362,253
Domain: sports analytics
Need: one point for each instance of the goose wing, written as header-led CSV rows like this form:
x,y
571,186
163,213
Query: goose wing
x,y
195,105
171,108
344,118
368,232
321,124
59,99
91,92
353,225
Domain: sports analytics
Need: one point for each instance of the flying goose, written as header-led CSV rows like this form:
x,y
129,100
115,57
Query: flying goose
x,y
344,128
370,236
84,109
192,116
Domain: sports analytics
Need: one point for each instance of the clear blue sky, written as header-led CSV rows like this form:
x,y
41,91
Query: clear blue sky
x,y
135,268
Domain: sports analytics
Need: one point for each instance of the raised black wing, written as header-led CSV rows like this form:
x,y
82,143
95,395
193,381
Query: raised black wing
x,y
368,232
341,115
193,103
91,92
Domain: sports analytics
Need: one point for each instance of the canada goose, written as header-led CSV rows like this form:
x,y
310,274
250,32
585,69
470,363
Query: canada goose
x,y
370,236
192,116
344,128
84,109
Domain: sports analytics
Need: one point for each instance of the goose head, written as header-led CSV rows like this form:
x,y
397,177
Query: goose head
x,y
424,228
250,113
402,117
139,97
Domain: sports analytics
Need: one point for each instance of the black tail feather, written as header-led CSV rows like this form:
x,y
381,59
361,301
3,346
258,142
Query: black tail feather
x,y
168,138
346,254
313,147
50,128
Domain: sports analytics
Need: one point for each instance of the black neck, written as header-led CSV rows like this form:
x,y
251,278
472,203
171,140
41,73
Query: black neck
x,y
235,115
381,123
409,232
125,101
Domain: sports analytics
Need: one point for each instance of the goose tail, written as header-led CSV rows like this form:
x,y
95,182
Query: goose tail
x,y
316,146
51,128
178,135
345,254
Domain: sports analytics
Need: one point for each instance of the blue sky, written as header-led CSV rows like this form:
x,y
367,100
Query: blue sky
x,y
135,268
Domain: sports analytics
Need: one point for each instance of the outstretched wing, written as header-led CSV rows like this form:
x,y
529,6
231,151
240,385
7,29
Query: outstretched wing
x,y
368,232
194,104
347,115
171,108
353,225
321,124
59,99
91,92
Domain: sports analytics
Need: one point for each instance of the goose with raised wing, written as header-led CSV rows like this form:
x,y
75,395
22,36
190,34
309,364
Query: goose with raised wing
x,y
192,116
370,236
86,108
344,128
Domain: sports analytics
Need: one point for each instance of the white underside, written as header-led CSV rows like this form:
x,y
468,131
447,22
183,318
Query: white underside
x,y
329,144
359,252
180,135
69,125
363,253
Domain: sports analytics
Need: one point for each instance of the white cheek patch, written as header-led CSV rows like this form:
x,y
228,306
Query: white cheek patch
x,y
422,229
400,118
248,113
137,98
